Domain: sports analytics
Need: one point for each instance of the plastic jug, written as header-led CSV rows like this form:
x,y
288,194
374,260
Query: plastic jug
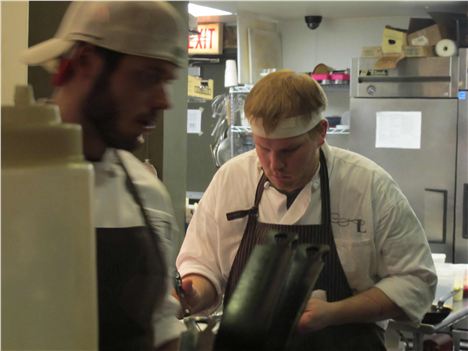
x,y
445,283
49,286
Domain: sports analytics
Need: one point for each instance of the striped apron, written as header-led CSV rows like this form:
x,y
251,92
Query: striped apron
x,y
332,279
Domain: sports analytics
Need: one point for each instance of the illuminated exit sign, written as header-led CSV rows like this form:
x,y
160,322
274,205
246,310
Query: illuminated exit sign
x,y
209,40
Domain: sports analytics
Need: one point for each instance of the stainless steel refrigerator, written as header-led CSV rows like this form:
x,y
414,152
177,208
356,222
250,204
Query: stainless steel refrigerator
x,y
413,121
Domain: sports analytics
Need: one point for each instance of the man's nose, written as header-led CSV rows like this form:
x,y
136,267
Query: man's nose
x,y
277,161
160,99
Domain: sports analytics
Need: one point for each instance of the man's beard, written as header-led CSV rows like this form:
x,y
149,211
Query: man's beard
x,y
100,109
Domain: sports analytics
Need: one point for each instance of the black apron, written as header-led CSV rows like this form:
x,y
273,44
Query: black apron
x,y
350,337
130,265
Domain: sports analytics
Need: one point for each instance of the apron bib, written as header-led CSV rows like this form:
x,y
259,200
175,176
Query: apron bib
x,y
130,266
332,279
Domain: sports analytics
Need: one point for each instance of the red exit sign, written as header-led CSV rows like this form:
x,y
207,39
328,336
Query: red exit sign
x,y
209,40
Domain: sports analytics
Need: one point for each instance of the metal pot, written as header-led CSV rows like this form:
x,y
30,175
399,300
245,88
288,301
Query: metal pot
x,y
438,312
436,316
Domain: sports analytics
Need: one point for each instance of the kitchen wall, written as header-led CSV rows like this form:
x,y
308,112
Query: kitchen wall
x,y
334,42
44,18
245,21
173,150
200,162
14,40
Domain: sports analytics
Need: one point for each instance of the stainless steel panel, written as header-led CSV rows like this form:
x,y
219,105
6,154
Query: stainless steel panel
x,y
339,140
463,68
416,170
461,205
394,89
413,77
412,67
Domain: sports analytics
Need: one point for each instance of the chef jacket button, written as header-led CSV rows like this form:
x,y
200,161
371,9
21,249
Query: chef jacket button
x,y
315,185
266,185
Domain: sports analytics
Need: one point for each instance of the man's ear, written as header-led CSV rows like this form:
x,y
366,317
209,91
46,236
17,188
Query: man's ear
x,y
323,130
63,74
82,63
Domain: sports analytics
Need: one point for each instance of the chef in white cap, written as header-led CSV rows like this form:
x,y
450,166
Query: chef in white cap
x,y
379,265
111,63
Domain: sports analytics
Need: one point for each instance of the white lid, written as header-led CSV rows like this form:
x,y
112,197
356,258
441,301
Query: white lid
x,y
32,133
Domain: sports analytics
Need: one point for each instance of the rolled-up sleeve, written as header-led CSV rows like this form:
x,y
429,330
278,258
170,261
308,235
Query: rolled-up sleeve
x,y
404,258
200,248
211,242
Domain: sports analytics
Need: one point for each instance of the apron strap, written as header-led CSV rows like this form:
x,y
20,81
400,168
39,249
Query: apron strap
x,y
325,191
242,213
260,188
135,194
253,211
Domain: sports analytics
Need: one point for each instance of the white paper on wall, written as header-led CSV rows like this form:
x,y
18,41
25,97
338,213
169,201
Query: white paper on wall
x,y
398,129
194,121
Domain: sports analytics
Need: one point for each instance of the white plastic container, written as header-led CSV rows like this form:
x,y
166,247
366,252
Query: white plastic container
x,y
445,283
438,258
49,293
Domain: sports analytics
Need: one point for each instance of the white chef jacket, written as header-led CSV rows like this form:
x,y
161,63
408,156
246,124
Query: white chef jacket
x,y
379,240
114,207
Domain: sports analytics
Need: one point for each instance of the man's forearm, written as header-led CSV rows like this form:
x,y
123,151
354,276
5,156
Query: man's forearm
x,y
368,306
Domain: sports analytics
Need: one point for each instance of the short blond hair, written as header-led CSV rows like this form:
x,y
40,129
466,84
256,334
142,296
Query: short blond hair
x,y
281,95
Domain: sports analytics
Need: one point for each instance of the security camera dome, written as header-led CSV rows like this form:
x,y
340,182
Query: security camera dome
x,y
313,21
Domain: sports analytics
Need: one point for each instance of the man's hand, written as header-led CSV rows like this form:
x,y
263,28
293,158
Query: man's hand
x,y
199,293
180,294
317,315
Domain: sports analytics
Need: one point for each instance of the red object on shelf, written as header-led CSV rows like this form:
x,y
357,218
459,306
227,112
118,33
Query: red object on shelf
x,y
320,76
339,76
438,342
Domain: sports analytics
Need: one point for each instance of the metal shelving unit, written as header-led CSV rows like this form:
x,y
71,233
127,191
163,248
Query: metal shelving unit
x,y
337,86
338,130
240,132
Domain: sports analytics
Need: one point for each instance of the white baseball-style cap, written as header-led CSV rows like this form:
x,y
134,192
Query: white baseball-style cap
x,y
151,29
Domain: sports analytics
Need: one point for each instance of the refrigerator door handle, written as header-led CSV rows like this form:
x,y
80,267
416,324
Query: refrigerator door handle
x,y
435,215
465,212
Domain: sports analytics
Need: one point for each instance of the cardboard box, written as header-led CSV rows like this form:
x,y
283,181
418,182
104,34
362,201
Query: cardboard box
x,y
428,36
371,51
201,88
447,23
389,61
428,31
393,40
416,24
419,51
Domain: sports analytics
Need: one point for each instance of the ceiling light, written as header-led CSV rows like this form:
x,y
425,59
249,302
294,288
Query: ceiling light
x,y
198,11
